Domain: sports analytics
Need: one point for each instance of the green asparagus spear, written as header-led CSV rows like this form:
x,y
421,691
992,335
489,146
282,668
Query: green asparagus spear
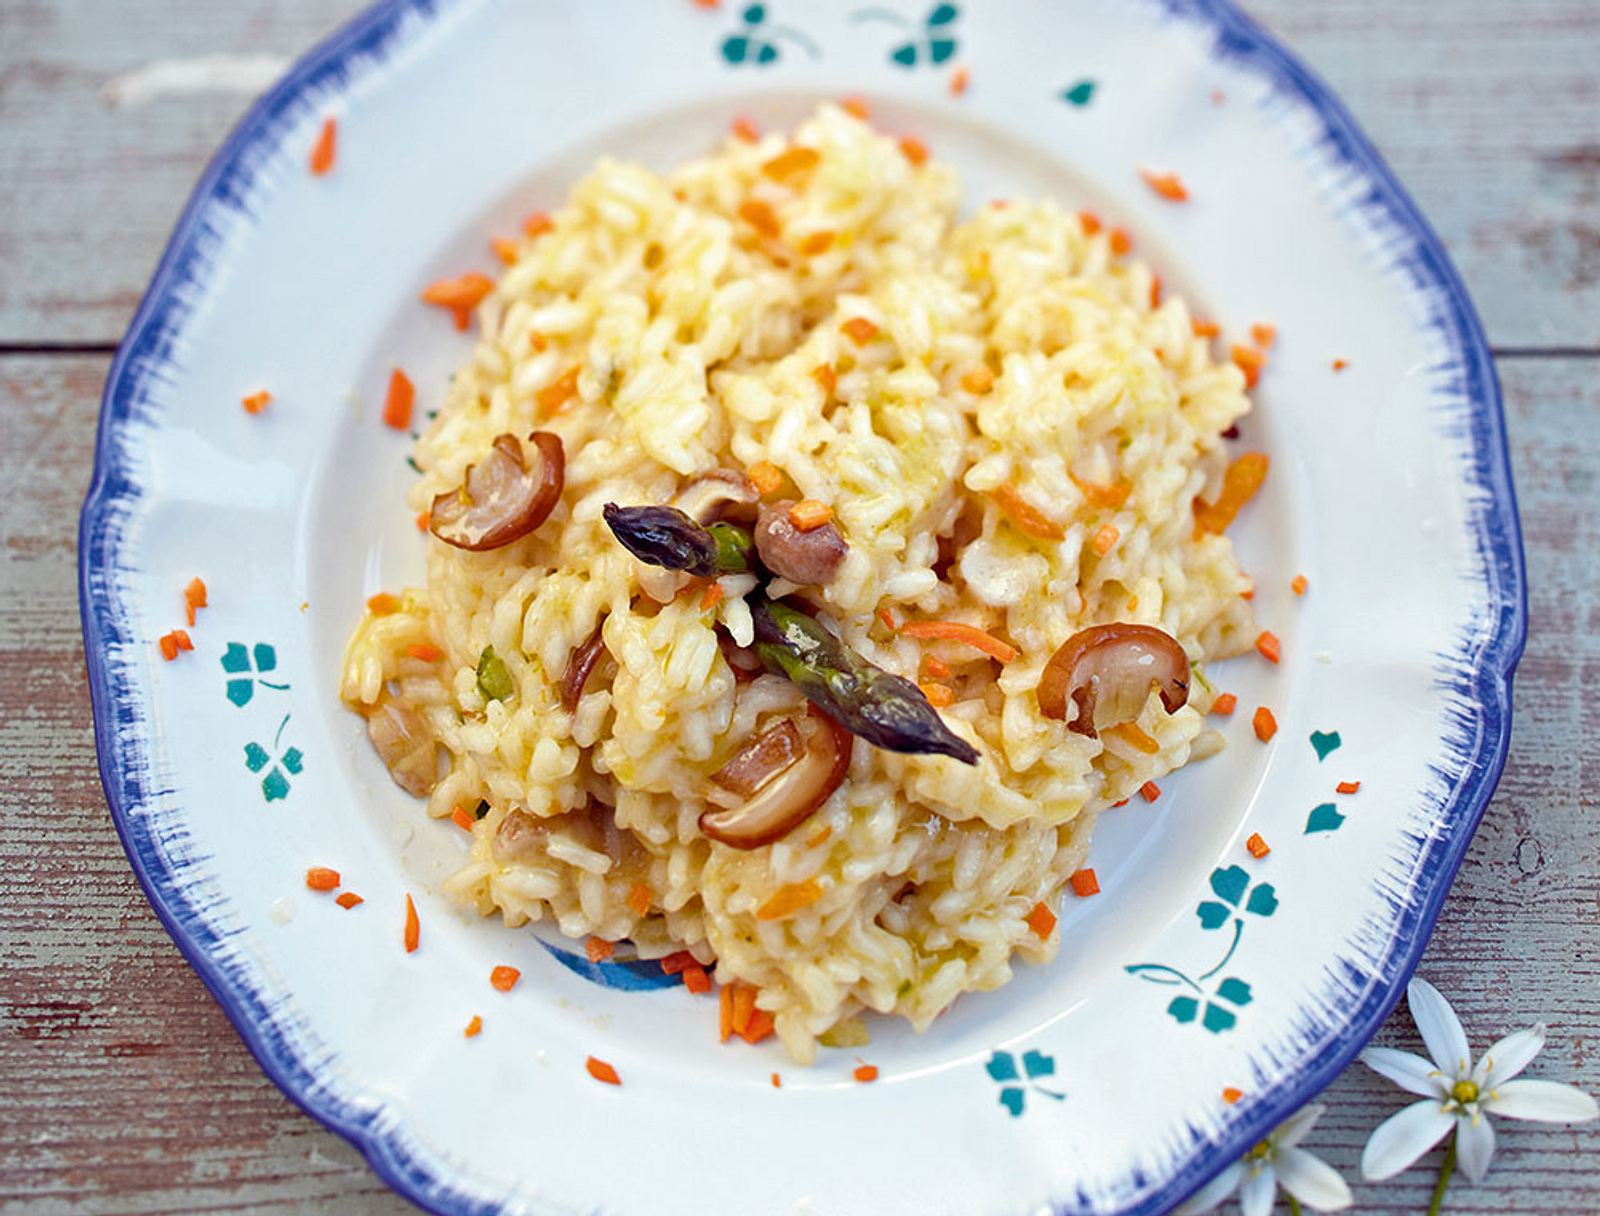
x,y
883,709
668,537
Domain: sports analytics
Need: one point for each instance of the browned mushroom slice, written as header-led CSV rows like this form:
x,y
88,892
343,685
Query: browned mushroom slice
x,y
504,496
1107,672
759,761
520,836
718,495
790,795
808,558
406,745
580,663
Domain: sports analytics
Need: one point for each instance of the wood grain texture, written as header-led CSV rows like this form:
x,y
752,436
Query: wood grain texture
x,y
122,1087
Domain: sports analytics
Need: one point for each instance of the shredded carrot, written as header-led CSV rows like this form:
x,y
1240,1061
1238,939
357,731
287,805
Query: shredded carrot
x,y
744,129
397,402
1090,222
1135,738
1267,644
1121,242
977,381
1249,593
462,818
503,978
790,898
777,1081
959,631
820,836
1124,802
1250,361
760,216
473,1027
711,597
172,643
1133,603
1168,185
1027,517
427,652
824,375
1257,846
914,149
537,223
1155,298
1299,583
1347,787
1109,497
744,1004
598,949
817,242
765,476
424,518
194,596
413,929
677,961
1224,704
1265,724
935,667
558,392
696,980
1240,484
725,1013
758,1028
322,152
792,162
382,604
808,514
601,1071
640,898
959,80
1340,364
1084,883
321,878
856,106
506,249
1150,791
348,900
1205,329
1265,335
1105,539
866,1074
886,619
538,341
254,403
1041,920
1230,1095
459,295
939,695
860,330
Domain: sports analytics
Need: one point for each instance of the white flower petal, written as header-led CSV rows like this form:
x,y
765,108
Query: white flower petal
x,y
1256,1192
1312,1181
1440,1029
1298,1125
1510,1056
1544,1101
1213,1192
1410,1072
1401,1138
1474,1147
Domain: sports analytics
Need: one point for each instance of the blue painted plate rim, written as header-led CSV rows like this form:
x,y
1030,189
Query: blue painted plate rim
x,y
1484,684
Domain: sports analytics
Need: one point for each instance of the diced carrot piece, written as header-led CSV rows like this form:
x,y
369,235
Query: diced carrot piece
x,y
678,961
462,818
398,400
825,376
1121,242
1224,704
796,161
725,1013
1265,724
711,597
601,1071
459,296
171,643
504,978
639,899
860,330
1250,361
1084,883
937,668
1041,920
765,476
777,1081
977,381
856,107
886,619
382,604
820,836
194,596
1340,364
939,695
504,248
960,79
324,150
866,1074
1109,497
790,898
425,652
1135,738
1241,483
1299,584
424,518
474,1027
1348,787
816,243
744,1004
1155,297
1027,517
598,949
413,927
1168,185
696,980
254,403
808,514
537,223
1268,645
1230,1095
348,900
760,216
1257,846
1150,791
913,149
742,128
1105,539
558,392
1090,222
1205,329
1265,335
759,1027
321,878
959,631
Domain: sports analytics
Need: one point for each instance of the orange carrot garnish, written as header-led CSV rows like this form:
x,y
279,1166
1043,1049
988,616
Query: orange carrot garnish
x,y
765,476
808,514
348,900
977,381
1168,185
913,149
537,223
1299,583
1109,497
860,330
1257,846
1239,485
696,980
473,1027
939,695
856,106
790,898
959,631
425,652
1205,329
558,392
725,1012
322,152
1121,242
1265,335
1041,920
504,978
459,295
1150,791
1250,361
321,878
194,596
677,961
824,375
1090,222
777,1081
711,597
937,668
744,1005
601,1071
1268,645
1265,724
959,80
820,835
866,1074
816,243
1105,539
256,402
172,643
462,818
1085,883
1129,733
744,129
1230,1095
1155,297
397,402
598,949
1224,704
639,899
413,928
792,162
382,604
1347,787
1340,364
886,619
504,248
1027,517
760,216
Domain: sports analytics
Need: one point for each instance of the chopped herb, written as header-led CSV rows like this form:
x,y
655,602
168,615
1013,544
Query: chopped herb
x,y
494,677
483,809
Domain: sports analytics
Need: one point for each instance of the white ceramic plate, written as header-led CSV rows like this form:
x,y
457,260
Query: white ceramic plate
x,y
1093,1085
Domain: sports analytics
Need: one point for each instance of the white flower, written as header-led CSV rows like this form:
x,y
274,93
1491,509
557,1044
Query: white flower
x,y
1456,1095
1277,1160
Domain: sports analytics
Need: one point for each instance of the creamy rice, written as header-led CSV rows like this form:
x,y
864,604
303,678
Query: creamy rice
x,y
697,340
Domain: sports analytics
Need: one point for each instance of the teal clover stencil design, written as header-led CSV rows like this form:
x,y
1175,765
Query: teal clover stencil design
x,y
757,41
1079,94
932,42
245,667
1015,1084
275,784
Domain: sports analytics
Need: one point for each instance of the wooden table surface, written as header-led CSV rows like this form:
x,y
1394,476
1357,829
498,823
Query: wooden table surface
x,y
123,1088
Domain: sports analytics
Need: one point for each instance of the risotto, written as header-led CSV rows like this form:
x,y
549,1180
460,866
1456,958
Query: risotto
x,y
807,571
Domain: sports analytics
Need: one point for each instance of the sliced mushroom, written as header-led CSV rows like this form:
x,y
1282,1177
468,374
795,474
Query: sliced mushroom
x,y
520,836
1107,672
760,760
406,745
504,496
580,663
812,557
718,495
788,797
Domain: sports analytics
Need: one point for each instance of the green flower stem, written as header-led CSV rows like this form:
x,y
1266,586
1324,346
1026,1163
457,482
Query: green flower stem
x,y
1445,1170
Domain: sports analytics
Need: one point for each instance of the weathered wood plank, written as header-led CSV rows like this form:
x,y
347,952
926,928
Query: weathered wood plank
x,y
124,1089
1489,111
